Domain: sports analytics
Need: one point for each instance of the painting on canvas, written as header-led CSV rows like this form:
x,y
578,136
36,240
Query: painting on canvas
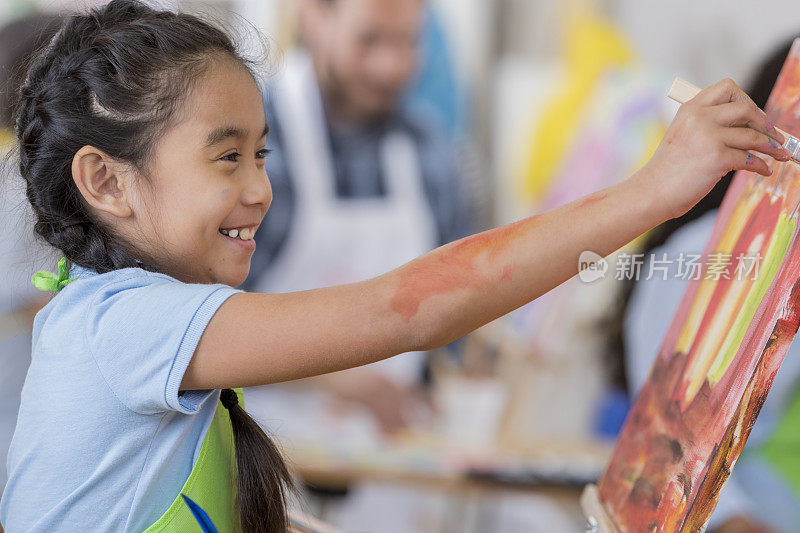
x,y
720,355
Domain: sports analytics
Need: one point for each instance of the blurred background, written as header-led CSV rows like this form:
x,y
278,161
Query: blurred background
x,y
530,104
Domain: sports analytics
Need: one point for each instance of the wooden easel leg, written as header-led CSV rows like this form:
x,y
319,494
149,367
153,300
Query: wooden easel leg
x,y
597,519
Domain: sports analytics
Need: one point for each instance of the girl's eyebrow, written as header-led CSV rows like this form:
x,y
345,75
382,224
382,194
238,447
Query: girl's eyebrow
x,y
218,135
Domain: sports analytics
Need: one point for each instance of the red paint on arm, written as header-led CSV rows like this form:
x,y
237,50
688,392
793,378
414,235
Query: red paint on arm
x,y
454,268
591,200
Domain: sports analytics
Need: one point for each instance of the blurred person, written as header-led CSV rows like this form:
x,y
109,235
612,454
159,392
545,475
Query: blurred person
x,y
758,497
361,182
19,300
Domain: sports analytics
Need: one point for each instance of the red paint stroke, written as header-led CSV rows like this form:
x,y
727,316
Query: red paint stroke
x,y
454,267
762,222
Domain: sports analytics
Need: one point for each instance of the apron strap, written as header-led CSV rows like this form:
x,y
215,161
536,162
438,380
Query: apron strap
x,y
211,485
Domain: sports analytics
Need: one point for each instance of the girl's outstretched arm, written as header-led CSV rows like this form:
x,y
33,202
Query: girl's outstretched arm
x,y
257,339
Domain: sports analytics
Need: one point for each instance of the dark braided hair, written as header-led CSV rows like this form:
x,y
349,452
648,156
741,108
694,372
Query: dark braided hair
x,y
115,78
110,79
20,39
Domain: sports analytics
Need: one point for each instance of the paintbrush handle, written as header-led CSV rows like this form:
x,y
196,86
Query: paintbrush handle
x,y
682,91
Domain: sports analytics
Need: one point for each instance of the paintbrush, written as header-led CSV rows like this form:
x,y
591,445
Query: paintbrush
x,y
682,91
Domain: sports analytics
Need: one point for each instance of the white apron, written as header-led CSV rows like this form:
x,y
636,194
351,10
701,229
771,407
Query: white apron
x,y
332,240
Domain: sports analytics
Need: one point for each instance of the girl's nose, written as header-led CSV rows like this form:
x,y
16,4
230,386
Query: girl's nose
x,y
258,190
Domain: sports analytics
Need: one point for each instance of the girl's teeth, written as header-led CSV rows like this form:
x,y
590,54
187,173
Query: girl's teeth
x,y
244,234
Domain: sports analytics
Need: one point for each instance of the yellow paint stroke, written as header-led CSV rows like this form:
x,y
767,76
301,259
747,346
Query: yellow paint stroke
x,y
773,257
741,214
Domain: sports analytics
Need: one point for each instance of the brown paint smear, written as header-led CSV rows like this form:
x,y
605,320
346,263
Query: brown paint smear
x,y
732,444
454,267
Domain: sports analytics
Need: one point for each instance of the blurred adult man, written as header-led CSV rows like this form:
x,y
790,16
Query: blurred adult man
x,y
360,184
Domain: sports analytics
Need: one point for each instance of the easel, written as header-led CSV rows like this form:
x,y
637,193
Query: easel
x,y
597,518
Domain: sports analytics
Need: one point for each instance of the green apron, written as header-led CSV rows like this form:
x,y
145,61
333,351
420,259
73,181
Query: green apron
x,y
211,484
783,448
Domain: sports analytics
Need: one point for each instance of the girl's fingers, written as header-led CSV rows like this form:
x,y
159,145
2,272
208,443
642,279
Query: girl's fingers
x,y
744,160
745,114
750,139
727,92
722,92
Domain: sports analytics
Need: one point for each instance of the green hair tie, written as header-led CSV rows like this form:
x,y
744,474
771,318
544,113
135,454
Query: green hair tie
x,y
48,281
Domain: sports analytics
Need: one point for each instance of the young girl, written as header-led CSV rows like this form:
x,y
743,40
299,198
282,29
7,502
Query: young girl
x,y
141,138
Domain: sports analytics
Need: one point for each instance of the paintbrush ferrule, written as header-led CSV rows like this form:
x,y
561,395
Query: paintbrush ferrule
x,y
793,145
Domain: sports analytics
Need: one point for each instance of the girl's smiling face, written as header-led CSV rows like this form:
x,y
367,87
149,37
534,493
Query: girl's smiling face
x,y
207,187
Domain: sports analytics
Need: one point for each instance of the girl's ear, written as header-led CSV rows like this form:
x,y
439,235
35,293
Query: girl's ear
x,y
103,182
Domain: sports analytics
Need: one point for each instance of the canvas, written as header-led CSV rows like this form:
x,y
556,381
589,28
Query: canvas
x,y
720,355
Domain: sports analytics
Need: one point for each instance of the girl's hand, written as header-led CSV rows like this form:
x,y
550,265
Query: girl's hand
x,y
712,134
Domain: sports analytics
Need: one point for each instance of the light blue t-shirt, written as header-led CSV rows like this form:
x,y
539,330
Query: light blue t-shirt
x,y
104,441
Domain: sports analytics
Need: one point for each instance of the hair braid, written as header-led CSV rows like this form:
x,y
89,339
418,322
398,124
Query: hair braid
x,y
114,79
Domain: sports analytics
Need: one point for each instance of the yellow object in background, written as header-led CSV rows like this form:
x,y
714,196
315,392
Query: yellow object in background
x,y
591,46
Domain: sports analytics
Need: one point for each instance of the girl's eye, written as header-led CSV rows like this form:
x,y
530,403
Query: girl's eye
x,y
233,156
